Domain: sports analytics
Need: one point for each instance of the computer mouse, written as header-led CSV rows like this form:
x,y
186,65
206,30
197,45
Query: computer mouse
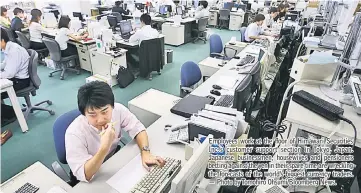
x,y
236,57
216,92
217,87
211,97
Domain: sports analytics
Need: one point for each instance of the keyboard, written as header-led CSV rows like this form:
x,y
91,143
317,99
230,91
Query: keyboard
x,y
318,105
179,135
225,101
249,59
159,178
27,188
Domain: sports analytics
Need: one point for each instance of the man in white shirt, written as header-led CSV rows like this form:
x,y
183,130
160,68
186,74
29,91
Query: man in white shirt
x,y
270,18
254,30
202,10
94,136
146,32
15,64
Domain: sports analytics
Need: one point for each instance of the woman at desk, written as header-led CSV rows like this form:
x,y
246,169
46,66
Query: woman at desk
x,y
254,30
4,19
119,8
202,10
63,37
35,30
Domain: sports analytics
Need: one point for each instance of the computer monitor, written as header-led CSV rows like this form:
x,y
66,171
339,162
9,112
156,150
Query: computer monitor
x,y
179,10
169,8
193,170
243,7
242,94
267,3
139,6
162,10
79,15
228,5
125,27
249,6
112,20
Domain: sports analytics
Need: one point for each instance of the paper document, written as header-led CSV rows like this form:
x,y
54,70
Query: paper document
x,y
322,58
127,177
56,189
227,82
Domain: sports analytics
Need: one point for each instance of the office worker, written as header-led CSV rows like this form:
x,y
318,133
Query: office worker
x,y
282,10
35,30
254,30
119,8
15,64
202,10
269,18
146,32
4,19
93,137
63,36
17,22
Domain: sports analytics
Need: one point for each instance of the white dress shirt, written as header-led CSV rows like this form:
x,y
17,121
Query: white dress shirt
x,y
35,30
252,30
203,12
82,141
16,62
144,33
63,37
268,21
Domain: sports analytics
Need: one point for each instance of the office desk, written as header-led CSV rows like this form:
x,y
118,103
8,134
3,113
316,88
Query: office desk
x,y
300,118
236,20
38,175
213,18
7,86
237,45
209,66
151,105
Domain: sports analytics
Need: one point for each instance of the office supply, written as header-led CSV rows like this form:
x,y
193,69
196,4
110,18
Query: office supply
x,y
215,92
27,188
56,189
227,82
225,101
179,136
318,105
125,28
355,83
193,170
189,105
78,15
159,178
249,59
211,97
217,87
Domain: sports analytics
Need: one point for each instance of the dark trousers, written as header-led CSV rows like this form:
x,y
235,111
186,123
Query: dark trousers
x,y
71,50
18,84
37,45
133,57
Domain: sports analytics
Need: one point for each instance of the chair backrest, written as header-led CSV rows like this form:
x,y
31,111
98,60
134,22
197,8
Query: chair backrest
x,y
190,74
215,44
60,126
243,32
202,23
151,56
54,49
224,14
33,68
10,34
118,15
24,41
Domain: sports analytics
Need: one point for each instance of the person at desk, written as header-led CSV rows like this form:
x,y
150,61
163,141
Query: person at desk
x,y
119,8
94,136
146,32
269,18
4,19
202,10
63,37
282,9
35,30
15,64
254,30
17,22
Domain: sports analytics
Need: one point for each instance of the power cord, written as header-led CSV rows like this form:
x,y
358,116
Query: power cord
x,y
354,128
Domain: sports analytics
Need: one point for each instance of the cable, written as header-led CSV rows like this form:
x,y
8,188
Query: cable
x,y
320,189
354,128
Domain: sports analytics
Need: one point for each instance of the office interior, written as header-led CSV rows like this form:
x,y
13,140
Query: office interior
x,y
200,78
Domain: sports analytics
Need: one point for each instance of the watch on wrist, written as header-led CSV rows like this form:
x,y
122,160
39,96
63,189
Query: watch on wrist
x,y
145,148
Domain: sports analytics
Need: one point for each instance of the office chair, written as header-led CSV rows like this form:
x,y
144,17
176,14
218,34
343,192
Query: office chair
x,y
216,48
25,42
201,31
190,76
118,15
243,32
223,18
34,85
62,62
10,34
151,57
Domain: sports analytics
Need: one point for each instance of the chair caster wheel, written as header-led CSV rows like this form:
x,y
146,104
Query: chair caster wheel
x,y
61,78
49,102
159,73
50,75
52,112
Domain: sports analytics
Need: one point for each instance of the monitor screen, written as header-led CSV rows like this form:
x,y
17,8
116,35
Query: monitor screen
x,y
162,9
125,27
243,7
260,55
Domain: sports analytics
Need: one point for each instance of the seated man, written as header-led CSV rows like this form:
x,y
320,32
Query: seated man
x,y
94,136
254,30
119,8
269,18
17,22
202,10
15,64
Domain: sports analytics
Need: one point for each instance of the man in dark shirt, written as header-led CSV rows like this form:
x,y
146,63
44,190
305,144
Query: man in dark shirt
x,y
16,22
119,8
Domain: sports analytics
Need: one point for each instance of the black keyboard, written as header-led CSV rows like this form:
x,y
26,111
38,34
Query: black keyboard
x,y
27,188
249,59
358,90
317,105
225,101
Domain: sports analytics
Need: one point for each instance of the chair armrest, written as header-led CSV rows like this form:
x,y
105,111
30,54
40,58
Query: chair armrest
x,y
217,55
59,171
187,89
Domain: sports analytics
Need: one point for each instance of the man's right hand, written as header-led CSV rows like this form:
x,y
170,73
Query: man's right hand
x,y
107,136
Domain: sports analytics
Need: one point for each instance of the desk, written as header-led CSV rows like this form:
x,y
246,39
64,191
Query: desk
x,y
151,105
38,175
236,20
209,66
7,86
237,45
213,18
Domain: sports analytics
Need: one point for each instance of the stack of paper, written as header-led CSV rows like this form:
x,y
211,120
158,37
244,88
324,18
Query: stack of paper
x,y
227,82
311,41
